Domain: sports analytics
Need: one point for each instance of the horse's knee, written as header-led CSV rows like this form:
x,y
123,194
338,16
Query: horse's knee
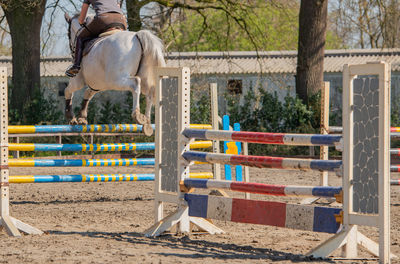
x,y
137,82
68,93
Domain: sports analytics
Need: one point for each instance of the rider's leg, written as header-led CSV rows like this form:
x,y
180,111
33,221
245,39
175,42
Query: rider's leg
x,y
74,69
83,36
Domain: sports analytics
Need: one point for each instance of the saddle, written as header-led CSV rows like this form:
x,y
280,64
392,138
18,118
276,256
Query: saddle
x,y
88,45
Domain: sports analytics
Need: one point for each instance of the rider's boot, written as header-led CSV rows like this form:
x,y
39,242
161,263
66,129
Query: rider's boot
x,y
73,70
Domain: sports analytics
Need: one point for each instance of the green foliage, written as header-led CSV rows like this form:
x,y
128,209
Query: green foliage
x,y
93,111
333,41
264,25
266,113
40,110
395,113
271,28
200,109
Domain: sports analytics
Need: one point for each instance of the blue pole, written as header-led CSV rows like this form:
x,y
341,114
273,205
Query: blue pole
x,y
238,169
228,169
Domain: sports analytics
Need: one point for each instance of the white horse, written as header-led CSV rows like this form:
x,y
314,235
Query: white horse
x,y
124,61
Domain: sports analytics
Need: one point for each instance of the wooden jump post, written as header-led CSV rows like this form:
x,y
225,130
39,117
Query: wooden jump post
x,y
9,223
365,161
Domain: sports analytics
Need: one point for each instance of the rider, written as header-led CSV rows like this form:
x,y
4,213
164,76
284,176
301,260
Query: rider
x,y
108,16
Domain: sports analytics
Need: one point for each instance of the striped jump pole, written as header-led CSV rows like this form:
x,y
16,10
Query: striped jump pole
x,y
267,189
337,129
79,163
394,131
395,182
80,178
395,168
106,128
296,216
94,177
264,138
80,147
263,161
95,147
395,151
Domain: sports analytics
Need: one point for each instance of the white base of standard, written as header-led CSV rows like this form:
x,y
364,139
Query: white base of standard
x,y
183,221
12,227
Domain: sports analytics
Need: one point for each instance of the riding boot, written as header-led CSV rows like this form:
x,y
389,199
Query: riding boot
x,y
73,70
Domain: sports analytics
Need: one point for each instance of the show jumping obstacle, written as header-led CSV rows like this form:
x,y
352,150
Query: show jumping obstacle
x,y
12,225
86,147
95,177
78,162
95,147
395,182
394,135
361,167
107,128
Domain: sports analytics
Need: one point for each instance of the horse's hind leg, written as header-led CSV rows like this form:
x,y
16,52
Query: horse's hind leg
x,y
74,85
140,118
149,105
89,93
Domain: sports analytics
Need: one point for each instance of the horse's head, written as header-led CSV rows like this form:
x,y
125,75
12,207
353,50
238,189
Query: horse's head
x,y
74,28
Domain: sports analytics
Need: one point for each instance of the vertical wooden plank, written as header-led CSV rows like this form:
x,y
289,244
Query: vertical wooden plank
x,y
246,168
5,219
215,126
59,137
350,249
324,150
159,206
92,142
384,164
16,153
4,184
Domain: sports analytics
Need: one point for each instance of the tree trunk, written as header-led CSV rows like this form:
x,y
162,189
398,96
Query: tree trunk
x,y
311,47
133,9
25,20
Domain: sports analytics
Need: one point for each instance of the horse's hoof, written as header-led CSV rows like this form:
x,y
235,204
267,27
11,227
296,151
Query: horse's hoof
x,y
82,121
73,121
140,118
148,130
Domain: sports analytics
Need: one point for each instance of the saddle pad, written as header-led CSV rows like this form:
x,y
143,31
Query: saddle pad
x,y
89,44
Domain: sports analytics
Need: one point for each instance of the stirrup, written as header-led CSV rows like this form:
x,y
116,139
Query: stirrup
x,y
72,70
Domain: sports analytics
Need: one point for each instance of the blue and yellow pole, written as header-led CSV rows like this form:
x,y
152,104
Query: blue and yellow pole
x,y
78,162
107,128
95,147
94,177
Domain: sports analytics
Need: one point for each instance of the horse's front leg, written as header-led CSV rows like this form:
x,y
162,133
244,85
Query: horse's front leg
x,y
89,93
74,85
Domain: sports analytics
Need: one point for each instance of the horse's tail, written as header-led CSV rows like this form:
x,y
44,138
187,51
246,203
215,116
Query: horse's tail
x,y
153,53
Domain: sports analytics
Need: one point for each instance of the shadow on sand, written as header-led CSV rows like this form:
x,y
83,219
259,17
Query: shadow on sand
x,y
189,247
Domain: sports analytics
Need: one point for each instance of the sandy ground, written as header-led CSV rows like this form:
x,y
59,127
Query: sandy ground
x,y
103,223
